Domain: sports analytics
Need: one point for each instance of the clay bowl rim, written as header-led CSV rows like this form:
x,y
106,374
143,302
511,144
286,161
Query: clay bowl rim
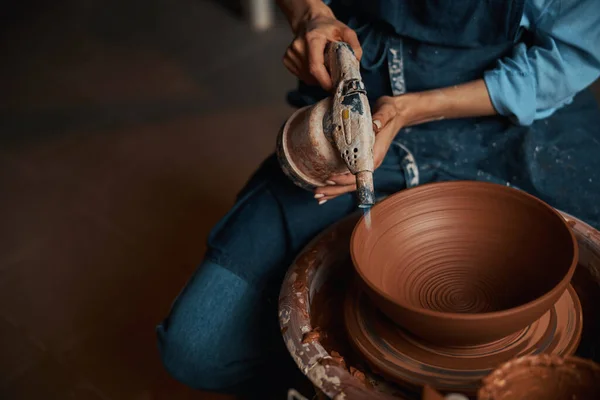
x,y
561,285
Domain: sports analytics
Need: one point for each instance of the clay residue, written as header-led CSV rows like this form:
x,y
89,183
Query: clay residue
x,y
358,374
327,313
306,265
335,359
312,336
338,359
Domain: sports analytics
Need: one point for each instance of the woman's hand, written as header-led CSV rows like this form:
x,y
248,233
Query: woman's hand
x,y
387,121
305,56
469,99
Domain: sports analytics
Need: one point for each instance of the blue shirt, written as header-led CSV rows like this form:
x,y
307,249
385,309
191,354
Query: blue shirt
x,y
534,82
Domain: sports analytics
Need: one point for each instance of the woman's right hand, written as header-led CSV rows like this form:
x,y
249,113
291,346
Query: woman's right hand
x,y
305,56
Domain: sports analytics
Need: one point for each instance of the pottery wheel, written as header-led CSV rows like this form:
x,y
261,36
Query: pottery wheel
x,y
312,324
403,358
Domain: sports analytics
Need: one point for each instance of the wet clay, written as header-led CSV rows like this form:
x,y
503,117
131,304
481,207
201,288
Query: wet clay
x,y
312,336
405,359
464,263
543,377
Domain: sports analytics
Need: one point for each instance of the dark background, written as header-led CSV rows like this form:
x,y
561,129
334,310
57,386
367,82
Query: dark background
x,y
126,129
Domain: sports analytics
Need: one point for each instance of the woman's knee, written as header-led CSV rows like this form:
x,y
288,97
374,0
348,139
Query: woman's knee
x,y
212,339
199,362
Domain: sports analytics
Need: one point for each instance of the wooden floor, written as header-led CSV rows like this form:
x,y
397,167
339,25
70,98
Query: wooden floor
x,y
126,128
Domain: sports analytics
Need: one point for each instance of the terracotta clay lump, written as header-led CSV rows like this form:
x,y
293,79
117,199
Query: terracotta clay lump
x,y
464,263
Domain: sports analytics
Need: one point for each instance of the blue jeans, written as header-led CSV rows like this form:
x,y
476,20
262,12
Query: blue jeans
x,y
222,333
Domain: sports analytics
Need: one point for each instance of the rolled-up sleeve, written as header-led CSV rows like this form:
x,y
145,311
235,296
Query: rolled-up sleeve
x,y
535,81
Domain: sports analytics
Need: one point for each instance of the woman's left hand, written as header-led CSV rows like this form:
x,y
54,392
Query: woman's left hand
x,y
387,121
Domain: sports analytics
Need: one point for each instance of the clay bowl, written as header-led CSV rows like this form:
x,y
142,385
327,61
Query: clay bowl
x,y
543,377
464,263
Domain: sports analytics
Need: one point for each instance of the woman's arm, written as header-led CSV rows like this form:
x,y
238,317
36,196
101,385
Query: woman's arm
x,y
533,82
461,101
565,59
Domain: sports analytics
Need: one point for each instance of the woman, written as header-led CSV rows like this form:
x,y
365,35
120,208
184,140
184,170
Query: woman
x,y
469,89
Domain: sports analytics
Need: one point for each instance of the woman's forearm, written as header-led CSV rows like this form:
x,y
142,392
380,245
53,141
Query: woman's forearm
x,y
461,101
298,11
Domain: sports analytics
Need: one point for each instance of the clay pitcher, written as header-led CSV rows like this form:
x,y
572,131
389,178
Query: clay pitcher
x,y
335,135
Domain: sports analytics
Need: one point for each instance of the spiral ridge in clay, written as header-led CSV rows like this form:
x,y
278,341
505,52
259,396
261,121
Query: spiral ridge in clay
x,y
446,254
